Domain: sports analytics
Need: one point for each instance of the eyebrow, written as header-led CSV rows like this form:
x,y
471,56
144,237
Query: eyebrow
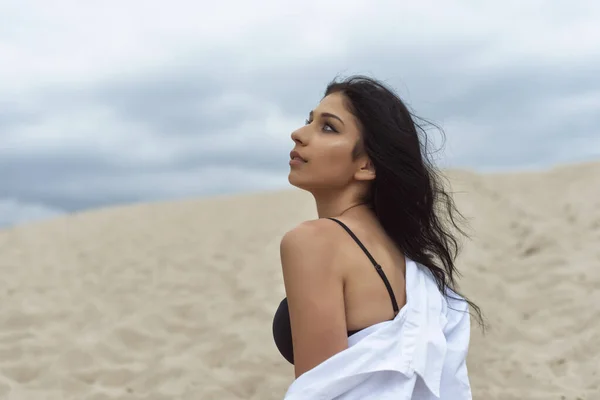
x,y
326,114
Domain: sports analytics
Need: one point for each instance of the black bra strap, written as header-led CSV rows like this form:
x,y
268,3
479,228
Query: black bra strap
x,y
377,266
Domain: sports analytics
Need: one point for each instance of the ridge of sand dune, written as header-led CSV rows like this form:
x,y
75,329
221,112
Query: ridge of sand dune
x,y
174,300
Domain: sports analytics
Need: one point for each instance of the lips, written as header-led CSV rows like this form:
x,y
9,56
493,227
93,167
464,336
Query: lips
x,y
294,155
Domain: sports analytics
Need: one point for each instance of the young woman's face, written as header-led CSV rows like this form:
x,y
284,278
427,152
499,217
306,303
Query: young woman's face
x,y
322,157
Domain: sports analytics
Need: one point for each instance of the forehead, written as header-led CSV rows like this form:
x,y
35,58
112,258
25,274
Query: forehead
x,y
337,104
334,103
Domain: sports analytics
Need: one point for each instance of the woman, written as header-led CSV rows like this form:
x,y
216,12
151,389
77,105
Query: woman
x,y
370,283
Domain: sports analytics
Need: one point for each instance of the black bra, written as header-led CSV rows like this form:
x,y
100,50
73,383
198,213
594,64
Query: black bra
x,y
282,330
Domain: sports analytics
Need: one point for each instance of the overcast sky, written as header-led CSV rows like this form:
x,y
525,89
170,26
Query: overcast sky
x,y
124,101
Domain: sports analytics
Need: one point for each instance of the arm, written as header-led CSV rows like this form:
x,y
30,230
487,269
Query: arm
x,y
315,293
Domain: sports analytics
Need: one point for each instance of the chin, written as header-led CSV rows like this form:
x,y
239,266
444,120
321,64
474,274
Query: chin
x,y
292,179
295,181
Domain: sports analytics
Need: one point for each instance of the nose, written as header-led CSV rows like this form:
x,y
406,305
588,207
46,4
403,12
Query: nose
x,y
298,137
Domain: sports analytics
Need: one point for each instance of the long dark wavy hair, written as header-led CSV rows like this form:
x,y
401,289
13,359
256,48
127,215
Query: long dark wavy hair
x,y
407,195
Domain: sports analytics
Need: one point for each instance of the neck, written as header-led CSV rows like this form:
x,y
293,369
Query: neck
x,y
335,204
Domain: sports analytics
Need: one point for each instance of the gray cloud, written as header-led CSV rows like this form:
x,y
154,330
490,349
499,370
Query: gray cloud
x,y
203,118
14,212
170,104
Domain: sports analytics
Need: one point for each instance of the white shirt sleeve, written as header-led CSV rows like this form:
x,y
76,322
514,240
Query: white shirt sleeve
x,y
454,383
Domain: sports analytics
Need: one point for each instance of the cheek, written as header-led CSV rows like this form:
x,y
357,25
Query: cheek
x,y
333,162
337,156
329,167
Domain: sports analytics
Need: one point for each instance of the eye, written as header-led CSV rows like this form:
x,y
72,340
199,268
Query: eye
x,y
326,127
330,128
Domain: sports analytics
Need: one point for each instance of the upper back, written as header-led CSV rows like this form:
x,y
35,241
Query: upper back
x,y
366,297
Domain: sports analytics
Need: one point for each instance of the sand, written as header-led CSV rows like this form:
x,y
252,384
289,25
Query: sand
x,y
175,300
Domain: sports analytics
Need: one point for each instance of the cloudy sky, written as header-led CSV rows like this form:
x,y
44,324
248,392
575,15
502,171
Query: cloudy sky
x,y
120,101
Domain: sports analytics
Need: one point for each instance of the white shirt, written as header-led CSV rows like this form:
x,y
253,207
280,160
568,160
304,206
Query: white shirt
x,y
420,354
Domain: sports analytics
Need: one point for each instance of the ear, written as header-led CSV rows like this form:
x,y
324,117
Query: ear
x,y
366,171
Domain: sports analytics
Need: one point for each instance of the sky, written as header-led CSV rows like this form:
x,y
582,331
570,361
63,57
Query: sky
x,y
116,102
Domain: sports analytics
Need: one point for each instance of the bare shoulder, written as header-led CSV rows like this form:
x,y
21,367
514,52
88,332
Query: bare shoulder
x,y
317,235
309,252
314,288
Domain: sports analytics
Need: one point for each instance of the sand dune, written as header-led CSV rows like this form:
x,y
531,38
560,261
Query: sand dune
x,y
175,300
